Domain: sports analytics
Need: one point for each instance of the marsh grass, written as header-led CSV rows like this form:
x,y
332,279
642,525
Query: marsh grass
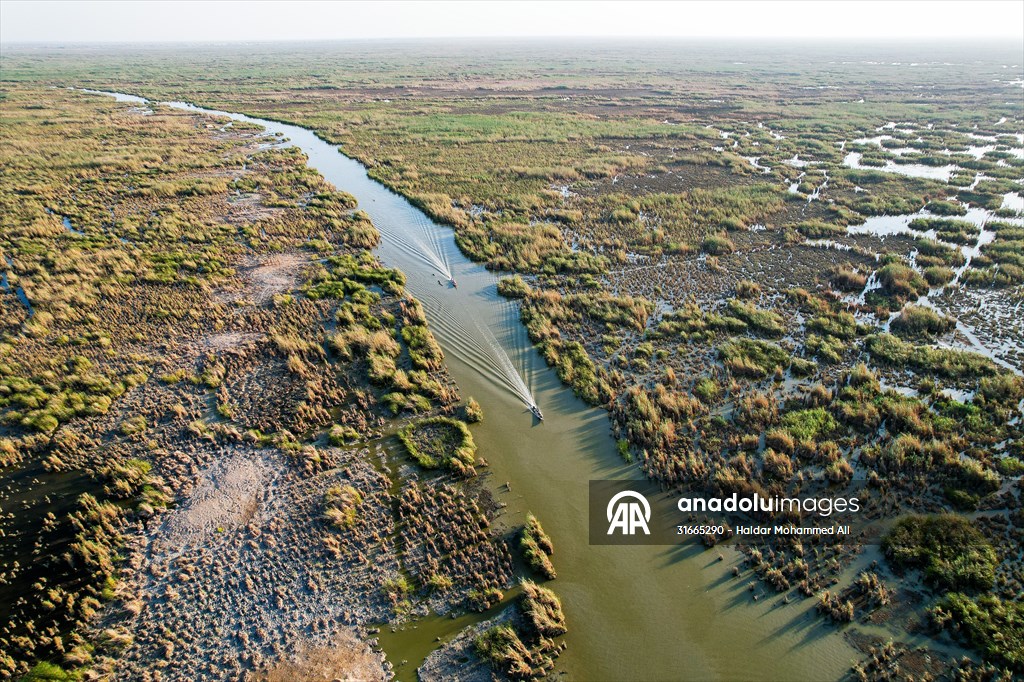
x,y
440,442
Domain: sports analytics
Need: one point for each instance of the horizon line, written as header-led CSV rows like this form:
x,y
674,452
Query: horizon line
x,y
620,37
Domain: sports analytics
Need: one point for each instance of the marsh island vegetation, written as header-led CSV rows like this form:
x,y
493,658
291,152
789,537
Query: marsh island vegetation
x,y
777,270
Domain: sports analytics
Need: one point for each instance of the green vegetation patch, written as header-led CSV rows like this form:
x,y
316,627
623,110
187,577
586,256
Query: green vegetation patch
x,y
956,231
951,552
341,504
899,283
752,357
1004,257
513,287
809,425
472,411
48,672
988,624
523,647
348,274
945,362
917,321
946,208
931,252
440,441
766,322
501,647
542,611
817,229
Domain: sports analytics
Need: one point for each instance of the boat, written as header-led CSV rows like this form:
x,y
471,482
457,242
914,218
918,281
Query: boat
x,y
536,412
454,283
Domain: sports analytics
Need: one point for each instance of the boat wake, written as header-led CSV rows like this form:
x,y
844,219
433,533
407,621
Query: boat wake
x,y
425,247
478,348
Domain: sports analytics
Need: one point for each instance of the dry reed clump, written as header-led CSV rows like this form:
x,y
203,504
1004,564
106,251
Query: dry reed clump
x,y
536,547
449,545
523,647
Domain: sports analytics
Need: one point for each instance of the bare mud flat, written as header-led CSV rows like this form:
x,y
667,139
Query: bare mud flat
x,y
230,340
346,658
238,579
248,208
276,274
229,494
264,276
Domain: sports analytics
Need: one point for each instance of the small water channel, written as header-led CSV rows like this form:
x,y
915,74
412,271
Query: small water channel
x,y
914,170
19,291
885,226
635,613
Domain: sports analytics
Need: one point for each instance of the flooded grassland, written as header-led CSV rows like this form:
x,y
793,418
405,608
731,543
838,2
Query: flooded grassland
x,y
770,278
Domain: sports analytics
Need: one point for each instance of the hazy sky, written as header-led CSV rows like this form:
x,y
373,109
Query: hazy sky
x,y
272,20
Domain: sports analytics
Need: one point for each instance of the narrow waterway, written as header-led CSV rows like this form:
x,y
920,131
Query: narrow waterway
x,y
635,613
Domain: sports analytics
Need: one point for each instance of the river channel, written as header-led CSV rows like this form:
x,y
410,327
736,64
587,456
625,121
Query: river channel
x,y
635,613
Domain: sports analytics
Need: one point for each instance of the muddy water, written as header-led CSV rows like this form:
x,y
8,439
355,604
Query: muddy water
x,y
635,613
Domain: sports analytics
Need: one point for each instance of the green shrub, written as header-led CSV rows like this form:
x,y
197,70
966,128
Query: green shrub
x,y
424,351
439,583
342,435
513,287
809,425
956,231
542,611
990,625
845,278
397,588
501,647
899,282
1002,389
767,322
622,445
942,361
949,549
1010,466
44,671
707,390
803,368
483,599
817,229
938,275
718,245
841,325
746,288
575,368
826,348
946,208
133,425
341,505
174,377
752,357
917,321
